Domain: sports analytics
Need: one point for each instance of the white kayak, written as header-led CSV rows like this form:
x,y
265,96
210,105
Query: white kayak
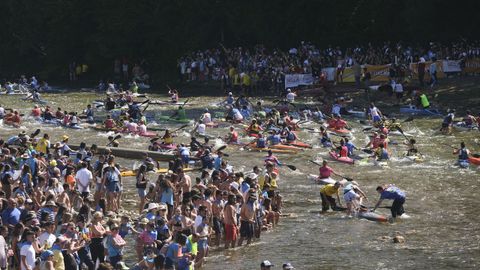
x,y
324,181
460,126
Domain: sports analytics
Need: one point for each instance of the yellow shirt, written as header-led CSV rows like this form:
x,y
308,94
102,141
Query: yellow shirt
x,y
329,190
58,263
168,140
246,80
42,145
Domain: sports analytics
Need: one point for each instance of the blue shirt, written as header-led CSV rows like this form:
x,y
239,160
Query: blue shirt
x,y
274,139
218,163
167,196
112,249
350,146
392,193
261,143
11,216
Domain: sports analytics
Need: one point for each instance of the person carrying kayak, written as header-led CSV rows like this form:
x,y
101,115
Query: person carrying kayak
x,y
326,194
109,123
463,153
270,158
232,137
353,196
391,192
374,113
447,122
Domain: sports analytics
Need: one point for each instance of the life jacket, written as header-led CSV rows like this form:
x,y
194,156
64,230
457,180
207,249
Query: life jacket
x,y
463,155
424,101
344,151
109,123
261,143
234,137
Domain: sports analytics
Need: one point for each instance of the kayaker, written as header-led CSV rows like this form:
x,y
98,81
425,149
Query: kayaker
x,y
383,130
59,114
89,113
326,194
167,137
13,119
342,149
375,114
37,111
350,146
109,123
47,115
230,99
254,127
142,128
326,171
74,120
112,141
381,153
132,127
325,138
463,153
270,158
275,138
412,149
109,104
290,136
339,123
232,137
469,119
376,140
391,192
134,87
206,116
194,144
448,121
290,96
261,141
200,128
289,122
173,95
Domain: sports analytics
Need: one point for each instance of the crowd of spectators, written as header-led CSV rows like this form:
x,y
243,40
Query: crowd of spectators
x,y
259,69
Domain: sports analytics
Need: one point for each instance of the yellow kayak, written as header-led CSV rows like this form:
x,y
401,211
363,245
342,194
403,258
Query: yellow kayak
x,y
161,170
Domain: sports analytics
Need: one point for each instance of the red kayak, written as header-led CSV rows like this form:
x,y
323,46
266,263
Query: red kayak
x,y
474,160
167,146
341,132
334,155
251,134
299,144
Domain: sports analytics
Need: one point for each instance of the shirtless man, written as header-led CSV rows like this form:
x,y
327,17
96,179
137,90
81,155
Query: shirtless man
x,y
185,183
247,218
217,213
230,221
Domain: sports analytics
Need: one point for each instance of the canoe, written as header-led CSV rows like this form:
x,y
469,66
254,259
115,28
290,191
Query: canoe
x,y
460,126
299,144
372,216
134,153
417,111
161,170
474,160
334,156
165,118
278,151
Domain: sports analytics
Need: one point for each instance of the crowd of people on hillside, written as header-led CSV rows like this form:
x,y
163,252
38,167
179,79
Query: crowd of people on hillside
x,y
263,70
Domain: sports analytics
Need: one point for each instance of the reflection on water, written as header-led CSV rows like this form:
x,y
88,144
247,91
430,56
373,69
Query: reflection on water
x,y
442,233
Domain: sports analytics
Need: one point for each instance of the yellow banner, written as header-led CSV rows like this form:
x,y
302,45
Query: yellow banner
x,y
414,70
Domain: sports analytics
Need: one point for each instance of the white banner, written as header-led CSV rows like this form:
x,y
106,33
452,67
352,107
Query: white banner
x,y
451,66
330,73
294,80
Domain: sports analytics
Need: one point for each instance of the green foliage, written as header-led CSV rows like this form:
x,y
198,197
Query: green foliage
x,y
44,36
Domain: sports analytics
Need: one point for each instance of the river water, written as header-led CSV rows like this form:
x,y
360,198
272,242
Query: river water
x,y
443,230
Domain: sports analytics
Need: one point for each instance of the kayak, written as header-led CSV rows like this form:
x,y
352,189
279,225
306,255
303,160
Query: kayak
x,y
167,146
279,151
10,123
324,181
72,127
286,147
250,134
460,126
417,111
415,158
372,216
165,118
474,160
334,155
299,144
161,170
341,132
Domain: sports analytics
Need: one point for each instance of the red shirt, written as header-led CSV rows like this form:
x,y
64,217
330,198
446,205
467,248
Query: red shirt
x,y
325,171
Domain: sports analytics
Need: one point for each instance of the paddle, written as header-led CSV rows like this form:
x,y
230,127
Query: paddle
x,y
365,150
401,131
182,127
368,128
316,163
115,138
291,167
34,134
144,109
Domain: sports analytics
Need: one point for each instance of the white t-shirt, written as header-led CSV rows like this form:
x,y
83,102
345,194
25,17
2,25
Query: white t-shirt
x,y
201,128
47,238
84,176
29,252
374,112
291,97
